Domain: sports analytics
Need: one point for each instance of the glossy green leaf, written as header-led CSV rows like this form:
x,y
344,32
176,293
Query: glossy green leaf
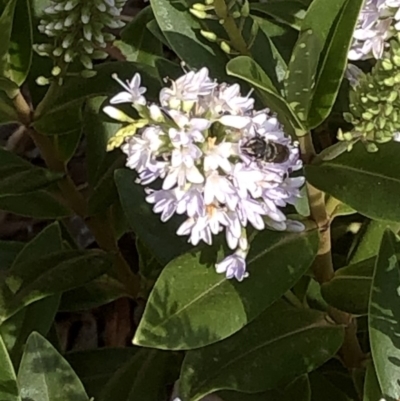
x,y
38,316
9,390
289,12
303,71
245,68
281,344
137,42
180,29
267,56
191,305
39,204
143,377
298,389
50,274
351,176
372,390
65,121
100,291
369,239
6,23
98,130
96,367
159,237
384,318
334,61
350,287
7,113
46,376
20,51
19,177
76,89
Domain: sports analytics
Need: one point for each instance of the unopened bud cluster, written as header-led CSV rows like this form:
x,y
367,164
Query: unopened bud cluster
x,y
375,102
77,27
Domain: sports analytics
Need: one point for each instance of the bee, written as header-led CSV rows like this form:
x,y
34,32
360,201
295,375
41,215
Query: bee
x,y
264,150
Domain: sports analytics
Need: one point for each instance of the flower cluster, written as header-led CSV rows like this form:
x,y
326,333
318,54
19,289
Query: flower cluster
x,y
379,20
77,28
375,102
222,164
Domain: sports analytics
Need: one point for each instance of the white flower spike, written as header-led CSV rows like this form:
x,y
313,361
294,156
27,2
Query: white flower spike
x,y
222,164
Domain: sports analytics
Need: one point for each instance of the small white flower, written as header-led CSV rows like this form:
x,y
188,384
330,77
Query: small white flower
x,y
233,266
194,143
133,91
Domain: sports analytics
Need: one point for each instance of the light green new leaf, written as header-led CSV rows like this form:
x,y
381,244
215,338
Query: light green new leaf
x,y
351,176
44,375
281,344
181,30
384,318
8,381
191,305
247,69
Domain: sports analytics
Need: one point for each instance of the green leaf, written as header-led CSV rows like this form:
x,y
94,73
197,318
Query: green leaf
x,y
6,24
333,63
160,237
46,376
19,177
96,367
51,274
351,176
281,344
38,316
303,68
245,68
39,204
323,389
76,89
7,113
369,239
288,12
100,291
350,287
372,390
298,390
191,305
267,55
384,318
20,51
8,381
137,42
65,121
181,30
141,378
8,252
